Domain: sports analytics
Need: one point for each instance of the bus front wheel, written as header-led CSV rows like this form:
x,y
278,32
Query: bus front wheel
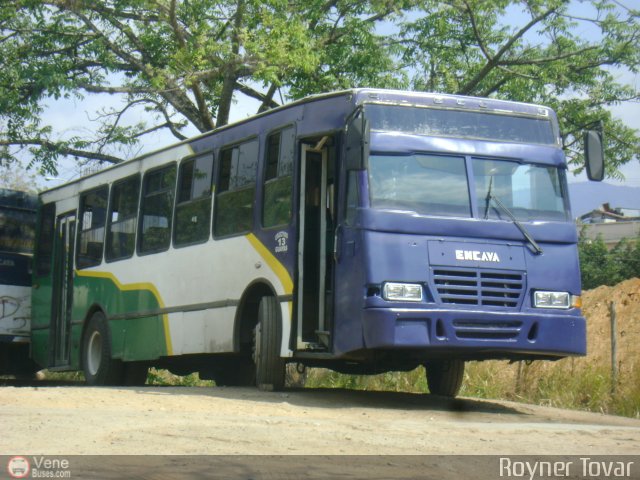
x,y
444,377
270,367
99,368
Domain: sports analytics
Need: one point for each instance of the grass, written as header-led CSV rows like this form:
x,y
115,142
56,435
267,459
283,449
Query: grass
x,y
568,383
564,384
164,377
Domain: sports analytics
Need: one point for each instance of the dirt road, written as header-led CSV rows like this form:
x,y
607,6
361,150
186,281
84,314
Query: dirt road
x,y
68,420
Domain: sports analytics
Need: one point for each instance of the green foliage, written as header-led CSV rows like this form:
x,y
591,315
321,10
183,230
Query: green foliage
x,y
568,383
414,381
160,377
561,384
601,266
63,376
179,63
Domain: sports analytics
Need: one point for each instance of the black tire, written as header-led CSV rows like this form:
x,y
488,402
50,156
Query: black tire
x,y
134,374
236,373
99,368
270,367
444,377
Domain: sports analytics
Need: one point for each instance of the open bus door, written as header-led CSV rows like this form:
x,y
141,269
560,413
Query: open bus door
x,y
62,298
315,261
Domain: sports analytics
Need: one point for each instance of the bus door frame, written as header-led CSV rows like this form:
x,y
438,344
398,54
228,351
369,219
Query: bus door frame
x,y
307,153
62,288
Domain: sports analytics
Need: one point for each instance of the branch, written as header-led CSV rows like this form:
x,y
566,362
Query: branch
x,y
540,61
336,34
471,86
107,135
476,31
111,90
62,150
168,125
325,10
100,7
267,100
172,95
230,78
173,21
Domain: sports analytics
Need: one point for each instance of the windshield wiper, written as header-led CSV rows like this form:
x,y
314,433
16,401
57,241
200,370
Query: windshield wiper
x,y
490,196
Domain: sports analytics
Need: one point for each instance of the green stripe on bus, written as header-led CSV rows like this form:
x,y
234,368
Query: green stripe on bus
x,y
133,337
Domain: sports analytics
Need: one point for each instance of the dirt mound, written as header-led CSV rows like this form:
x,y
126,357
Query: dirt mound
x,y
595,307
578,382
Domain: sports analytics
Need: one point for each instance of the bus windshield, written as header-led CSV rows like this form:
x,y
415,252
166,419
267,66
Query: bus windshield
x,y
17,230
530,192
439,185
461,123
424,184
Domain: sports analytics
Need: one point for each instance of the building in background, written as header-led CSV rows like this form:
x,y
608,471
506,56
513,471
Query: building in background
x,y
611,224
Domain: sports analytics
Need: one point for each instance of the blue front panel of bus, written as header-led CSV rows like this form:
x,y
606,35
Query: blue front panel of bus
x,y
478,292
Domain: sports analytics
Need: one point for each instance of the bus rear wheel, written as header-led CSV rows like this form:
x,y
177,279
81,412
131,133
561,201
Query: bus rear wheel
x,y
270,367
444,377
99,368
134,374
240,372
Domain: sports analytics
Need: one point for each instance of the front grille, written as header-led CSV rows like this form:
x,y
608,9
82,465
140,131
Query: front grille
x,y
479,287
487,330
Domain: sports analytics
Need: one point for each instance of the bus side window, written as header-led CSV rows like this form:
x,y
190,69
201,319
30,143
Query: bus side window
x,y
276,205
123,213
193,205
46,234
236,189
93,215
156,211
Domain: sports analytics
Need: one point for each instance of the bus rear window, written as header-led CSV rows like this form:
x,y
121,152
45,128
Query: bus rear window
x,y
461,123
17,230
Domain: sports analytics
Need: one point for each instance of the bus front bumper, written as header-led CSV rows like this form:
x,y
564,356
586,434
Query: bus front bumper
x,y
475,334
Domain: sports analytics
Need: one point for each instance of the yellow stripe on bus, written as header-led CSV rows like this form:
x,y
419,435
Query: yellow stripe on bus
x,y
273,262
150,287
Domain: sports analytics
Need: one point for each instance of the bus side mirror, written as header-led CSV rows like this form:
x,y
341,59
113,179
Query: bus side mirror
x,y
594,155
357,143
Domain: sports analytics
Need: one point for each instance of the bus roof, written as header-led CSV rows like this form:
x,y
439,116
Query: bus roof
x,y
439,100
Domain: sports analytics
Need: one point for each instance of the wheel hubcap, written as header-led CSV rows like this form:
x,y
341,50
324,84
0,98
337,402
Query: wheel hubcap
x,y
94,353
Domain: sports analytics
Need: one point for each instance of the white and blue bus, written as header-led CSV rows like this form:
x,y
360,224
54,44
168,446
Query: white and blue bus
x,y
363,231
17,234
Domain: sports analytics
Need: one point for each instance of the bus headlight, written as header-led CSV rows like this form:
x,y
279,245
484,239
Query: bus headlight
x,y
402,292
542,299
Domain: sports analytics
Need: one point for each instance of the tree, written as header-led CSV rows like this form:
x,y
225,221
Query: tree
x,y
181,62
552,52
601,266
15,177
